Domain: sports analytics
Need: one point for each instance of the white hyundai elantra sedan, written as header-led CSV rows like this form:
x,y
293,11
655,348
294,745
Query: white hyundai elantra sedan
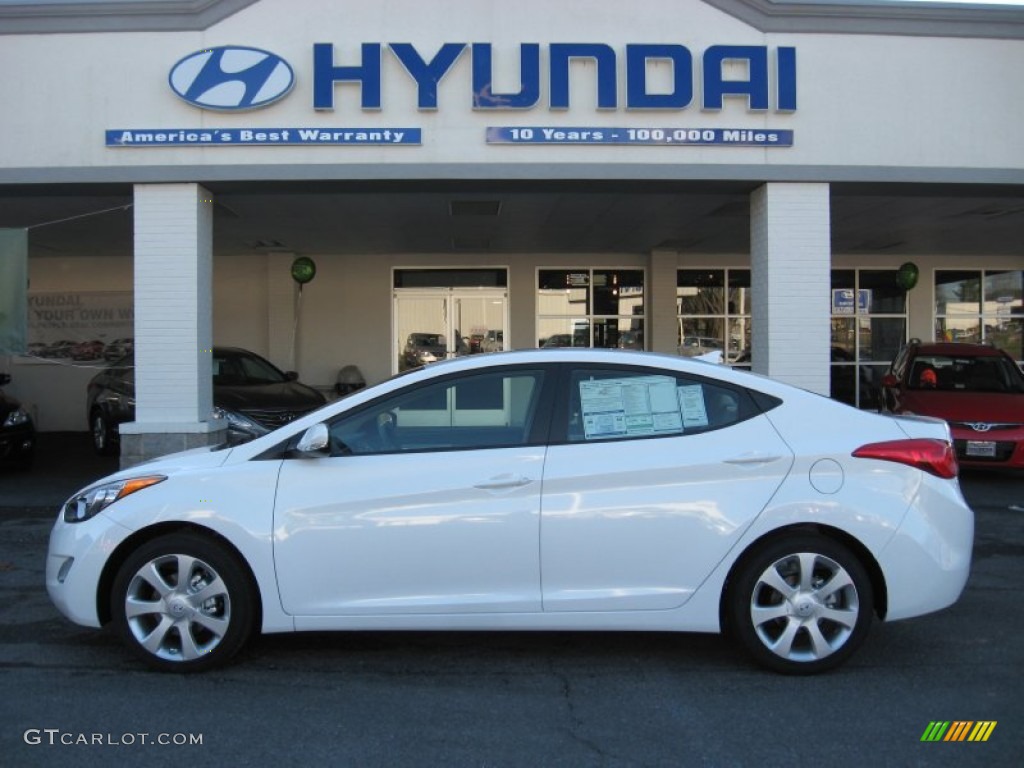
x,y
543,490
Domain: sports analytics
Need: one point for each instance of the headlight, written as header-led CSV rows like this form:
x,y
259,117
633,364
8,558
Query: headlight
x,y
91,502
239,423
16,417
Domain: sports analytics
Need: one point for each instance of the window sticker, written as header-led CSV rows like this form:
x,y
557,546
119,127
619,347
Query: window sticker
x,y
692,405
642,405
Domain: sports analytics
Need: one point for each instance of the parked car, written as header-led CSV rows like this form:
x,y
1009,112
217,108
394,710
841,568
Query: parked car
x,y
558,340
88,350
61,348
17,431
250,393
119,348
652,493
494,341
422,349
978,389
694,346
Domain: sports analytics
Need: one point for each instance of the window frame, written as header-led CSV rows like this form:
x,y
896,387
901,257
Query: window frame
x,y
981,316
862,380
536,434
726,317
589,315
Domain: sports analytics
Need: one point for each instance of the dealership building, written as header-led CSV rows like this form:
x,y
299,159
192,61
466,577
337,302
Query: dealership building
x,y
799,186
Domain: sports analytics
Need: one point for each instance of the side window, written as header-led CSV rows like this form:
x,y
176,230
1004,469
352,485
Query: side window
x,y
616,404
481,410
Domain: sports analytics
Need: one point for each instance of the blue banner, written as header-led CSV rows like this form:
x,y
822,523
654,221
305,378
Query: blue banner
x,y
149,138
13,290
679,137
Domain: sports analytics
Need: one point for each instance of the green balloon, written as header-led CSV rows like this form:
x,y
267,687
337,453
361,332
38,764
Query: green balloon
x,y
303,270
906,277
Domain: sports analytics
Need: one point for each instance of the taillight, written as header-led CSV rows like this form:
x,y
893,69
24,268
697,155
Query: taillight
x,y
934,456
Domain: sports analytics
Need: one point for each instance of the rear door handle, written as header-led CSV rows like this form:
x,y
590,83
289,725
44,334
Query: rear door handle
x,y
503,482
751,459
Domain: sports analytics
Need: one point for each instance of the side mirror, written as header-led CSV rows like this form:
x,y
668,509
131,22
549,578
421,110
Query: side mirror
x,y
5,378
314,441
890,381
291,376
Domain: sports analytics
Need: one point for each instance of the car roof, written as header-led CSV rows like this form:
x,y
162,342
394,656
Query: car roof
x,y
957,349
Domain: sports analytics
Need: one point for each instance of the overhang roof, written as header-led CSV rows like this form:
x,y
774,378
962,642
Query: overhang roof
x,y
875,17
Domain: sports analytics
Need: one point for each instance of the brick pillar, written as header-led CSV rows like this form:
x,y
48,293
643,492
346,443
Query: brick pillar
x,y
790,259
173,323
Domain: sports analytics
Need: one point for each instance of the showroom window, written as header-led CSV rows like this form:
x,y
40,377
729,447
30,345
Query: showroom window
x,y
981,306
869,327
713,309
590,308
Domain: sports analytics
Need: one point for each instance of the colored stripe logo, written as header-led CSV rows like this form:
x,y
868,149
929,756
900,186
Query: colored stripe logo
x,y
959,730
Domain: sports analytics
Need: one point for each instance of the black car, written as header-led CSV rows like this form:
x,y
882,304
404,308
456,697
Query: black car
x,y
17,432
249,393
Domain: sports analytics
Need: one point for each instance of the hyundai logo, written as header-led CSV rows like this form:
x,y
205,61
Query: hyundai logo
x,y
980,427
231,78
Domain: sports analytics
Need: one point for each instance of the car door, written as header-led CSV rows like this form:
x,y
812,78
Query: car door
x,y
650,479
429,503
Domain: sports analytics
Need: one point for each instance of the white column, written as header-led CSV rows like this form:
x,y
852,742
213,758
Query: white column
x,y
173,322
790,259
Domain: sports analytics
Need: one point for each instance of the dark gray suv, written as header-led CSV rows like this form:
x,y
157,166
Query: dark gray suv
x,y
249,393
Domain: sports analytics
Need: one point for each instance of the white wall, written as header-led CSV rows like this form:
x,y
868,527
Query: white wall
x,y
346,310
863,100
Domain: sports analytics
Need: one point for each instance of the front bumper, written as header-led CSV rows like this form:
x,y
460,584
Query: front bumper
x,y
17,443
75,561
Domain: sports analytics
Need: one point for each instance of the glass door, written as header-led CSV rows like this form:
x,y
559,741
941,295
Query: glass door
x,y
432,324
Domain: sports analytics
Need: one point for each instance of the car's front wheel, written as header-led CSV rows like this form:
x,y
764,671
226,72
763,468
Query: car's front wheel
x,y
184,603
800,605
104,439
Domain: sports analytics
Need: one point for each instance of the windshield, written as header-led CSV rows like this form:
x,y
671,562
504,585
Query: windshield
x,y
965,374
240,368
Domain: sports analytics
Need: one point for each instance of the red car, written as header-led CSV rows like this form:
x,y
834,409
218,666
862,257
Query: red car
x,y
978,389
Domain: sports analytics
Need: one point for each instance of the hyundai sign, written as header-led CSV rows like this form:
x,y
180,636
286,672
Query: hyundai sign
x,y
662,78
231,78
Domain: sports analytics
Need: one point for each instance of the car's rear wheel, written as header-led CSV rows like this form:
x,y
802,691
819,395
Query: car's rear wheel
x,y
103,437
183,603
801,605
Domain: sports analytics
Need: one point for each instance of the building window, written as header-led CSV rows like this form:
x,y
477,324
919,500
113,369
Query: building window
x,y
869,326
713,309
590,308
981,306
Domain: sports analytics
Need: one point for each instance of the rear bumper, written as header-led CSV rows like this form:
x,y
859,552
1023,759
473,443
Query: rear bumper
x,y
928,560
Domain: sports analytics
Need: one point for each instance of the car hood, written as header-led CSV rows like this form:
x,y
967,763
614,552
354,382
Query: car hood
x,y
196,458
990,407
286,396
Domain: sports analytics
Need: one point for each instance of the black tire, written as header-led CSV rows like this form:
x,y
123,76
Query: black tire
x,y
104,435
171,628
800,605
